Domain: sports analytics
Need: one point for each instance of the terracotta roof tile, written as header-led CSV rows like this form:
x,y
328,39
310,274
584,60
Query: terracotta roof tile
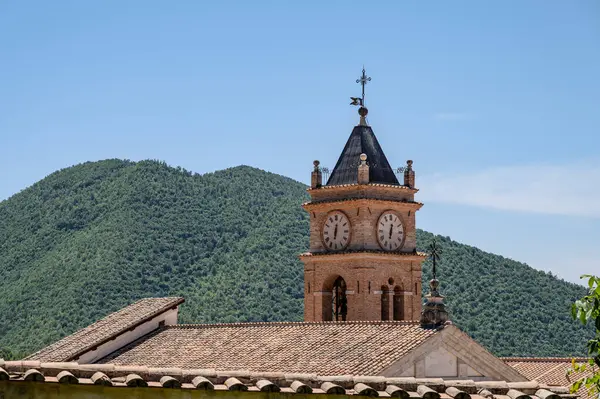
x,y
326,348
112,325
550,371
142,377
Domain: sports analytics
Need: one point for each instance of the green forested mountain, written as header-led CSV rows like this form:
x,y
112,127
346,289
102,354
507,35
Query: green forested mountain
x,y
90,239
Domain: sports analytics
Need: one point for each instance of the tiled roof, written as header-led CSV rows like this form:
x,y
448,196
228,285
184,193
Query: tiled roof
x,y
103,330
549,370
103,375
327,348
362,140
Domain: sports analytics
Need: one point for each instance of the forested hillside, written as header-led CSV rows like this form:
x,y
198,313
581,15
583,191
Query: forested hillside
x,y
90,239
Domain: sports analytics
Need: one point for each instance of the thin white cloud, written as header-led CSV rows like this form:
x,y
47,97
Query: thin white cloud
x,y
452,116
570,189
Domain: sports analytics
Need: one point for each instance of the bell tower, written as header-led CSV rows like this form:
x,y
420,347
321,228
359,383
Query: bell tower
x,y
362,263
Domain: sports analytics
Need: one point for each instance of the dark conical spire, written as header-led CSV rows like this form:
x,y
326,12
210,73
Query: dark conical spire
x,y
362,141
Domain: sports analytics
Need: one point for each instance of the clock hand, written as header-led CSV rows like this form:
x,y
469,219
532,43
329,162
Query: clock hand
x,y
391,227
335,232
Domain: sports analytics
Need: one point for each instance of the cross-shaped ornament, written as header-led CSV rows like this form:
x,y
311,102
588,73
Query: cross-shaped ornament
x,y
363,81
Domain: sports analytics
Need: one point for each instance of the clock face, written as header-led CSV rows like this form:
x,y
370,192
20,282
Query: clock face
x,y
390,231
336,231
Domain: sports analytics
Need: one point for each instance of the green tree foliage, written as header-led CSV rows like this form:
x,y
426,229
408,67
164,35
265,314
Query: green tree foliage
x,y
587,310
90,239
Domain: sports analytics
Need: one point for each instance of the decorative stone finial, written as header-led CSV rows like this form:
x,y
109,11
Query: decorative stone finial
x,y
362,111
363,170
316,178
434,312
409,175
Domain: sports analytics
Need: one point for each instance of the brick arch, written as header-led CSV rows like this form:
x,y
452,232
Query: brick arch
x,y
335,307
330,280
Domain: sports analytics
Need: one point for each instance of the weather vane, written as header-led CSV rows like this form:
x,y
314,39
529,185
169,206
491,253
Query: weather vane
x,y
363,81
434,254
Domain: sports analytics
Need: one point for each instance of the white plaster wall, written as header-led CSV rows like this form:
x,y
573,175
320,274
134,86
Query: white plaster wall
x,y
473,373
409,372
169,317
441,363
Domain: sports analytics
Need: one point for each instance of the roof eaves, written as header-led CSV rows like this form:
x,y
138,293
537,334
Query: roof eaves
x,y
142,376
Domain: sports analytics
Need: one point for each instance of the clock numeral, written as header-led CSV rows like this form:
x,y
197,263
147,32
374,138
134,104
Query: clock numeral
x,y
345,239
344,224
331,219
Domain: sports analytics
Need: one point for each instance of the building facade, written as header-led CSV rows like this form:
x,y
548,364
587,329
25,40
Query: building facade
x,y
362,263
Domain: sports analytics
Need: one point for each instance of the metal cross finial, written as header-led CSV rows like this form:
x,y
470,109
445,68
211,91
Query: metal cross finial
x,y
363,81
434,253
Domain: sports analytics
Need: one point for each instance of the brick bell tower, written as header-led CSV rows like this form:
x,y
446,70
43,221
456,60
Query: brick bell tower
x,y
362,263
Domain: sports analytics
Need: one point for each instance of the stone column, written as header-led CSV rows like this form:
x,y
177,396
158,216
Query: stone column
x,y
390,294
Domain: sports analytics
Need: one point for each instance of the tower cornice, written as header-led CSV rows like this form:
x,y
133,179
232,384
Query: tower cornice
x,y
365,254
350,187
364,201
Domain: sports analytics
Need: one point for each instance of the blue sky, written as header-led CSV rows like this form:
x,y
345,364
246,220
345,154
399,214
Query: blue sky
x,y
497,103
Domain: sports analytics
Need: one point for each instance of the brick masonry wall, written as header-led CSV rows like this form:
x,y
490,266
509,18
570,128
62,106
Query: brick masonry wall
x,y
394,193
395,277
363,216
367,279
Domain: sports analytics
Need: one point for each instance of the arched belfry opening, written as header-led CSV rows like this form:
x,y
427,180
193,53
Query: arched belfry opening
x,y
339,303
398,303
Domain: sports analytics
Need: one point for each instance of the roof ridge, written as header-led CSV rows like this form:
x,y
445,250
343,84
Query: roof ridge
x,y
296,323
95,326
543,359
